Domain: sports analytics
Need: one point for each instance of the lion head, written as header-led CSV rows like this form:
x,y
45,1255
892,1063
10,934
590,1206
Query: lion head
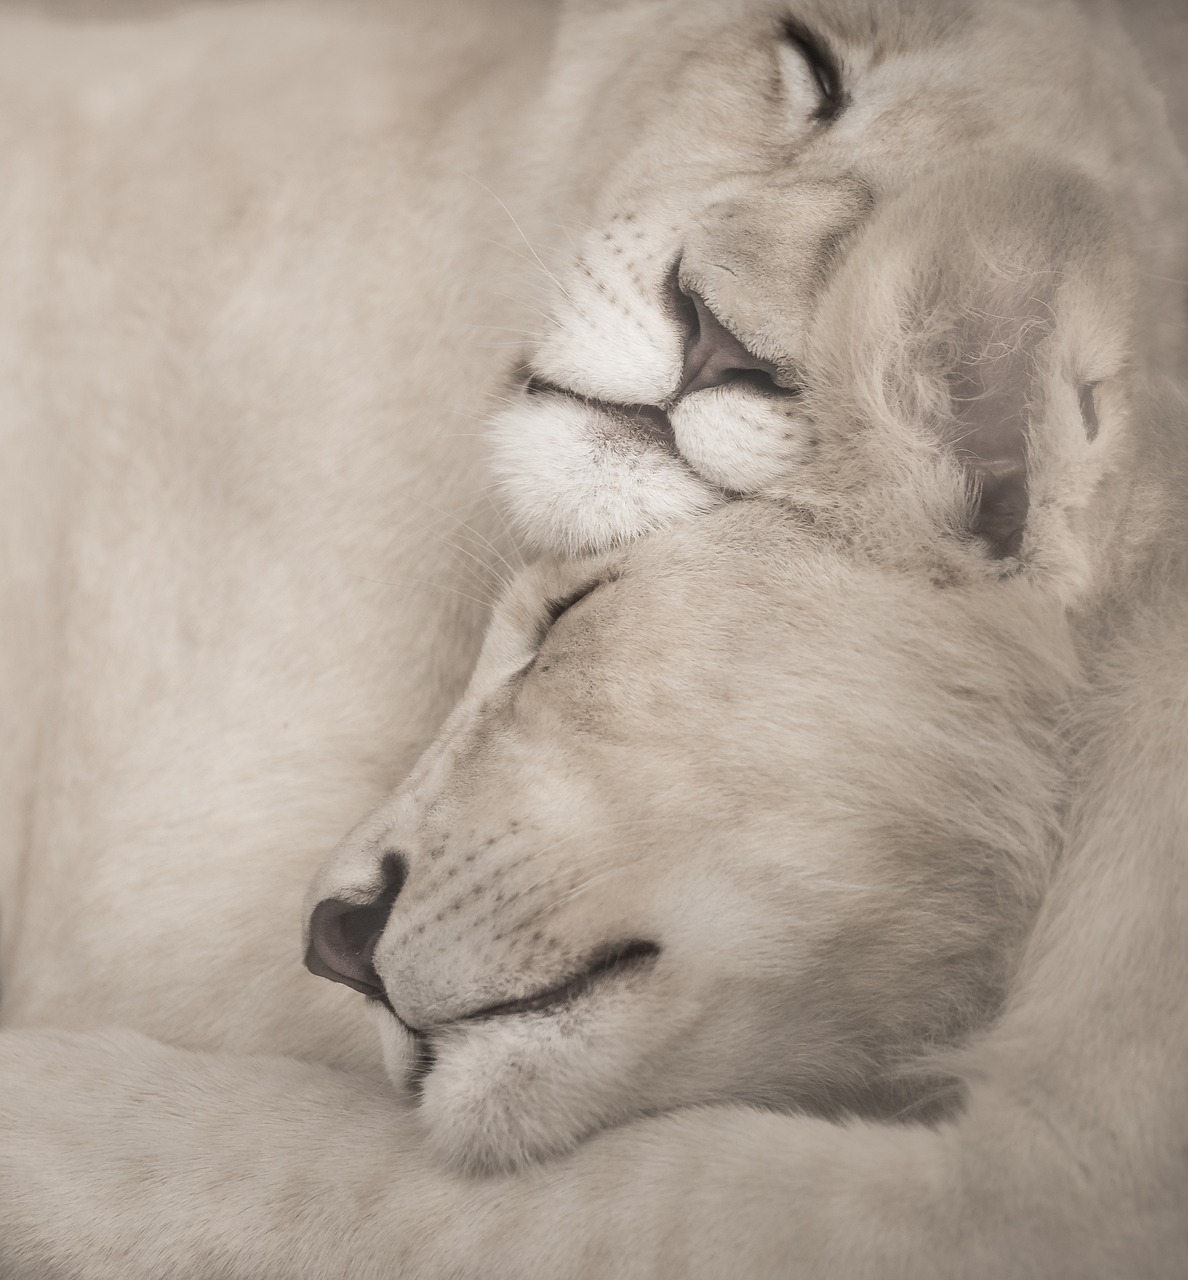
x,y
710,168
726,814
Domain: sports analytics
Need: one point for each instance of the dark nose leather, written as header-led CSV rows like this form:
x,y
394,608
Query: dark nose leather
x,y
343,935
714,357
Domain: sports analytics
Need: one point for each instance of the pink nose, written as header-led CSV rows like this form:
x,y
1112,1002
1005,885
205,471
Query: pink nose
x,y
343,935
714,357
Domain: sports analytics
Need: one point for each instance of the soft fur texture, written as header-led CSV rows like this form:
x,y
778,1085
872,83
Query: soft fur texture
x,y
248,548
167,578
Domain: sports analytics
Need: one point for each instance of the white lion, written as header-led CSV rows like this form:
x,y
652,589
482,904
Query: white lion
x,y
237,628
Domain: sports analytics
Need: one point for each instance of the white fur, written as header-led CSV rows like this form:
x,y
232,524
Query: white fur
x,y
741,440
572,473
623,828
741,832
248,550
213,668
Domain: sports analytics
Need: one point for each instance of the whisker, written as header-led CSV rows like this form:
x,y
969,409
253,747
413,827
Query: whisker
x,y
485,605
520,230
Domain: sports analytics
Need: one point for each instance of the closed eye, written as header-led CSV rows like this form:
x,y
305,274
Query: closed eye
x,y
555,608
822,65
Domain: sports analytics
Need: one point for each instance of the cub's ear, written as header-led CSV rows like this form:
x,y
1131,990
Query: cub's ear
x,y
992,397
963,337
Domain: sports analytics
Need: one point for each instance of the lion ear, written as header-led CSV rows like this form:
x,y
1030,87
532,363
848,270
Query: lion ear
x,y
992,393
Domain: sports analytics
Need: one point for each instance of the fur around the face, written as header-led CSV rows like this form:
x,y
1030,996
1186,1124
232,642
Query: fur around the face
x,y
1067,1159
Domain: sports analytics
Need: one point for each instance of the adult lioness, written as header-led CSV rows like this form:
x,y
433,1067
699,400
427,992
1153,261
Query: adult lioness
x,y
1054,1167
609,898
205,633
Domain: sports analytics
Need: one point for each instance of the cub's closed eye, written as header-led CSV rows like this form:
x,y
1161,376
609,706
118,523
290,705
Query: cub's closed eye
x,y
822,65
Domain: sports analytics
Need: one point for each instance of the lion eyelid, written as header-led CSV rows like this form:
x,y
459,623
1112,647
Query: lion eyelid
x,y
822,65
555,608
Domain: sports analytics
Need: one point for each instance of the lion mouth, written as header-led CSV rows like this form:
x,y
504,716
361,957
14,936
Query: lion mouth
x,y
607,962
614,959
646,420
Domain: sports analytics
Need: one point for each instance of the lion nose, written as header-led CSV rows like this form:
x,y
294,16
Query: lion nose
x,y
343,935
713,355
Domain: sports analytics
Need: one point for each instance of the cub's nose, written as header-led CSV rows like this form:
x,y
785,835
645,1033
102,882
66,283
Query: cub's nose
x,y
343,935
714,357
